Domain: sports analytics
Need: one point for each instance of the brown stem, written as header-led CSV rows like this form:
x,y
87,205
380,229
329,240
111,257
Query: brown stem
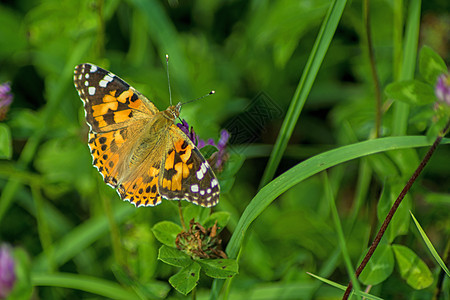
x,y
394,207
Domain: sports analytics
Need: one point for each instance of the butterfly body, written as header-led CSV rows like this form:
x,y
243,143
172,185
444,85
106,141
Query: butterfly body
x,y
138,149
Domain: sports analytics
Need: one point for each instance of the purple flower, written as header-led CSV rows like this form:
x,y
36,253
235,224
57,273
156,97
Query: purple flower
x,y
442,89
184,126
7,274
224,136
221,145
5,99
201,143
217,159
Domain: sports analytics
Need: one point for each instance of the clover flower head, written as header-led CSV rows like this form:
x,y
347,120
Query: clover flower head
x,y
6,99
7,273
442,89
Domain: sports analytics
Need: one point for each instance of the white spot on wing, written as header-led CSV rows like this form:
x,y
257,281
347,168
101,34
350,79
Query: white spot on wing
x,y
194,188
200,174
107,79
91,90
214,182
93,68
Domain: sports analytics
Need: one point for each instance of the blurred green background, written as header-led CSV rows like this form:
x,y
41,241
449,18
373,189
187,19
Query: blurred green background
x,y
54,201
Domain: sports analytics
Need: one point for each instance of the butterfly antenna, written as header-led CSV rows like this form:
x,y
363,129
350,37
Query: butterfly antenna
x,y
168,79
210,93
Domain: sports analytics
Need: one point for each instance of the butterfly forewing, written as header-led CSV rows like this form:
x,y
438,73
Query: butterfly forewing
x,y
109,102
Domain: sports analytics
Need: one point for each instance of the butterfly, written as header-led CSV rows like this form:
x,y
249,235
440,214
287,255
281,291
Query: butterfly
x,y
138,149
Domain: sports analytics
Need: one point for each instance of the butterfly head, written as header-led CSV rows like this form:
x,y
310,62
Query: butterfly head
x,y
173,111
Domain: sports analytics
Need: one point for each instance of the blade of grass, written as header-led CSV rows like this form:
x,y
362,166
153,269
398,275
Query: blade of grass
x,y
94,285
305,170
340,233
430,246
341,287
313,64
397,34
401,110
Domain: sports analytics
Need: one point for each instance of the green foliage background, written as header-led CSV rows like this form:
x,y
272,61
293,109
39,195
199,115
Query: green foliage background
x,y
72,233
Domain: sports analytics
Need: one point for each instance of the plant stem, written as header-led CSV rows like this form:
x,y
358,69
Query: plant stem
x,y
181,216
194,293
394,207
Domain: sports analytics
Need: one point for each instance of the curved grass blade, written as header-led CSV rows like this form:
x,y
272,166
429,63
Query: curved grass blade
x,y
430,246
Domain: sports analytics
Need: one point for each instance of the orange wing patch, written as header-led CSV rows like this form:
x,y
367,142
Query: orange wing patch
x,y
105,151
142,190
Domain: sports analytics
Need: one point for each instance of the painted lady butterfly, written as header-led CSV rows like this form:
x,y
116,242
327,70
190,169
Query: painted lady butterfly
x,y
138,149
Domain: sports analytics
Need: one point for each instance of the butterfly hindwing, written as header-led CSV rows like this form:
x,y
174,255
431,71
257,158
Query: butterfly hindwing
x,y
142,190
186,174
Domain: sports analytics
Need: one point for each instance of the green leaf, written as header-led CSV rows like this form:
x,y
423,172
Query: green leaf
x,y
413,92
166,232
194,212
219,268
222,218
343,288
412,268
208,150
431,65
186,279
5,142
430,246
379,267
233,165
173,257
